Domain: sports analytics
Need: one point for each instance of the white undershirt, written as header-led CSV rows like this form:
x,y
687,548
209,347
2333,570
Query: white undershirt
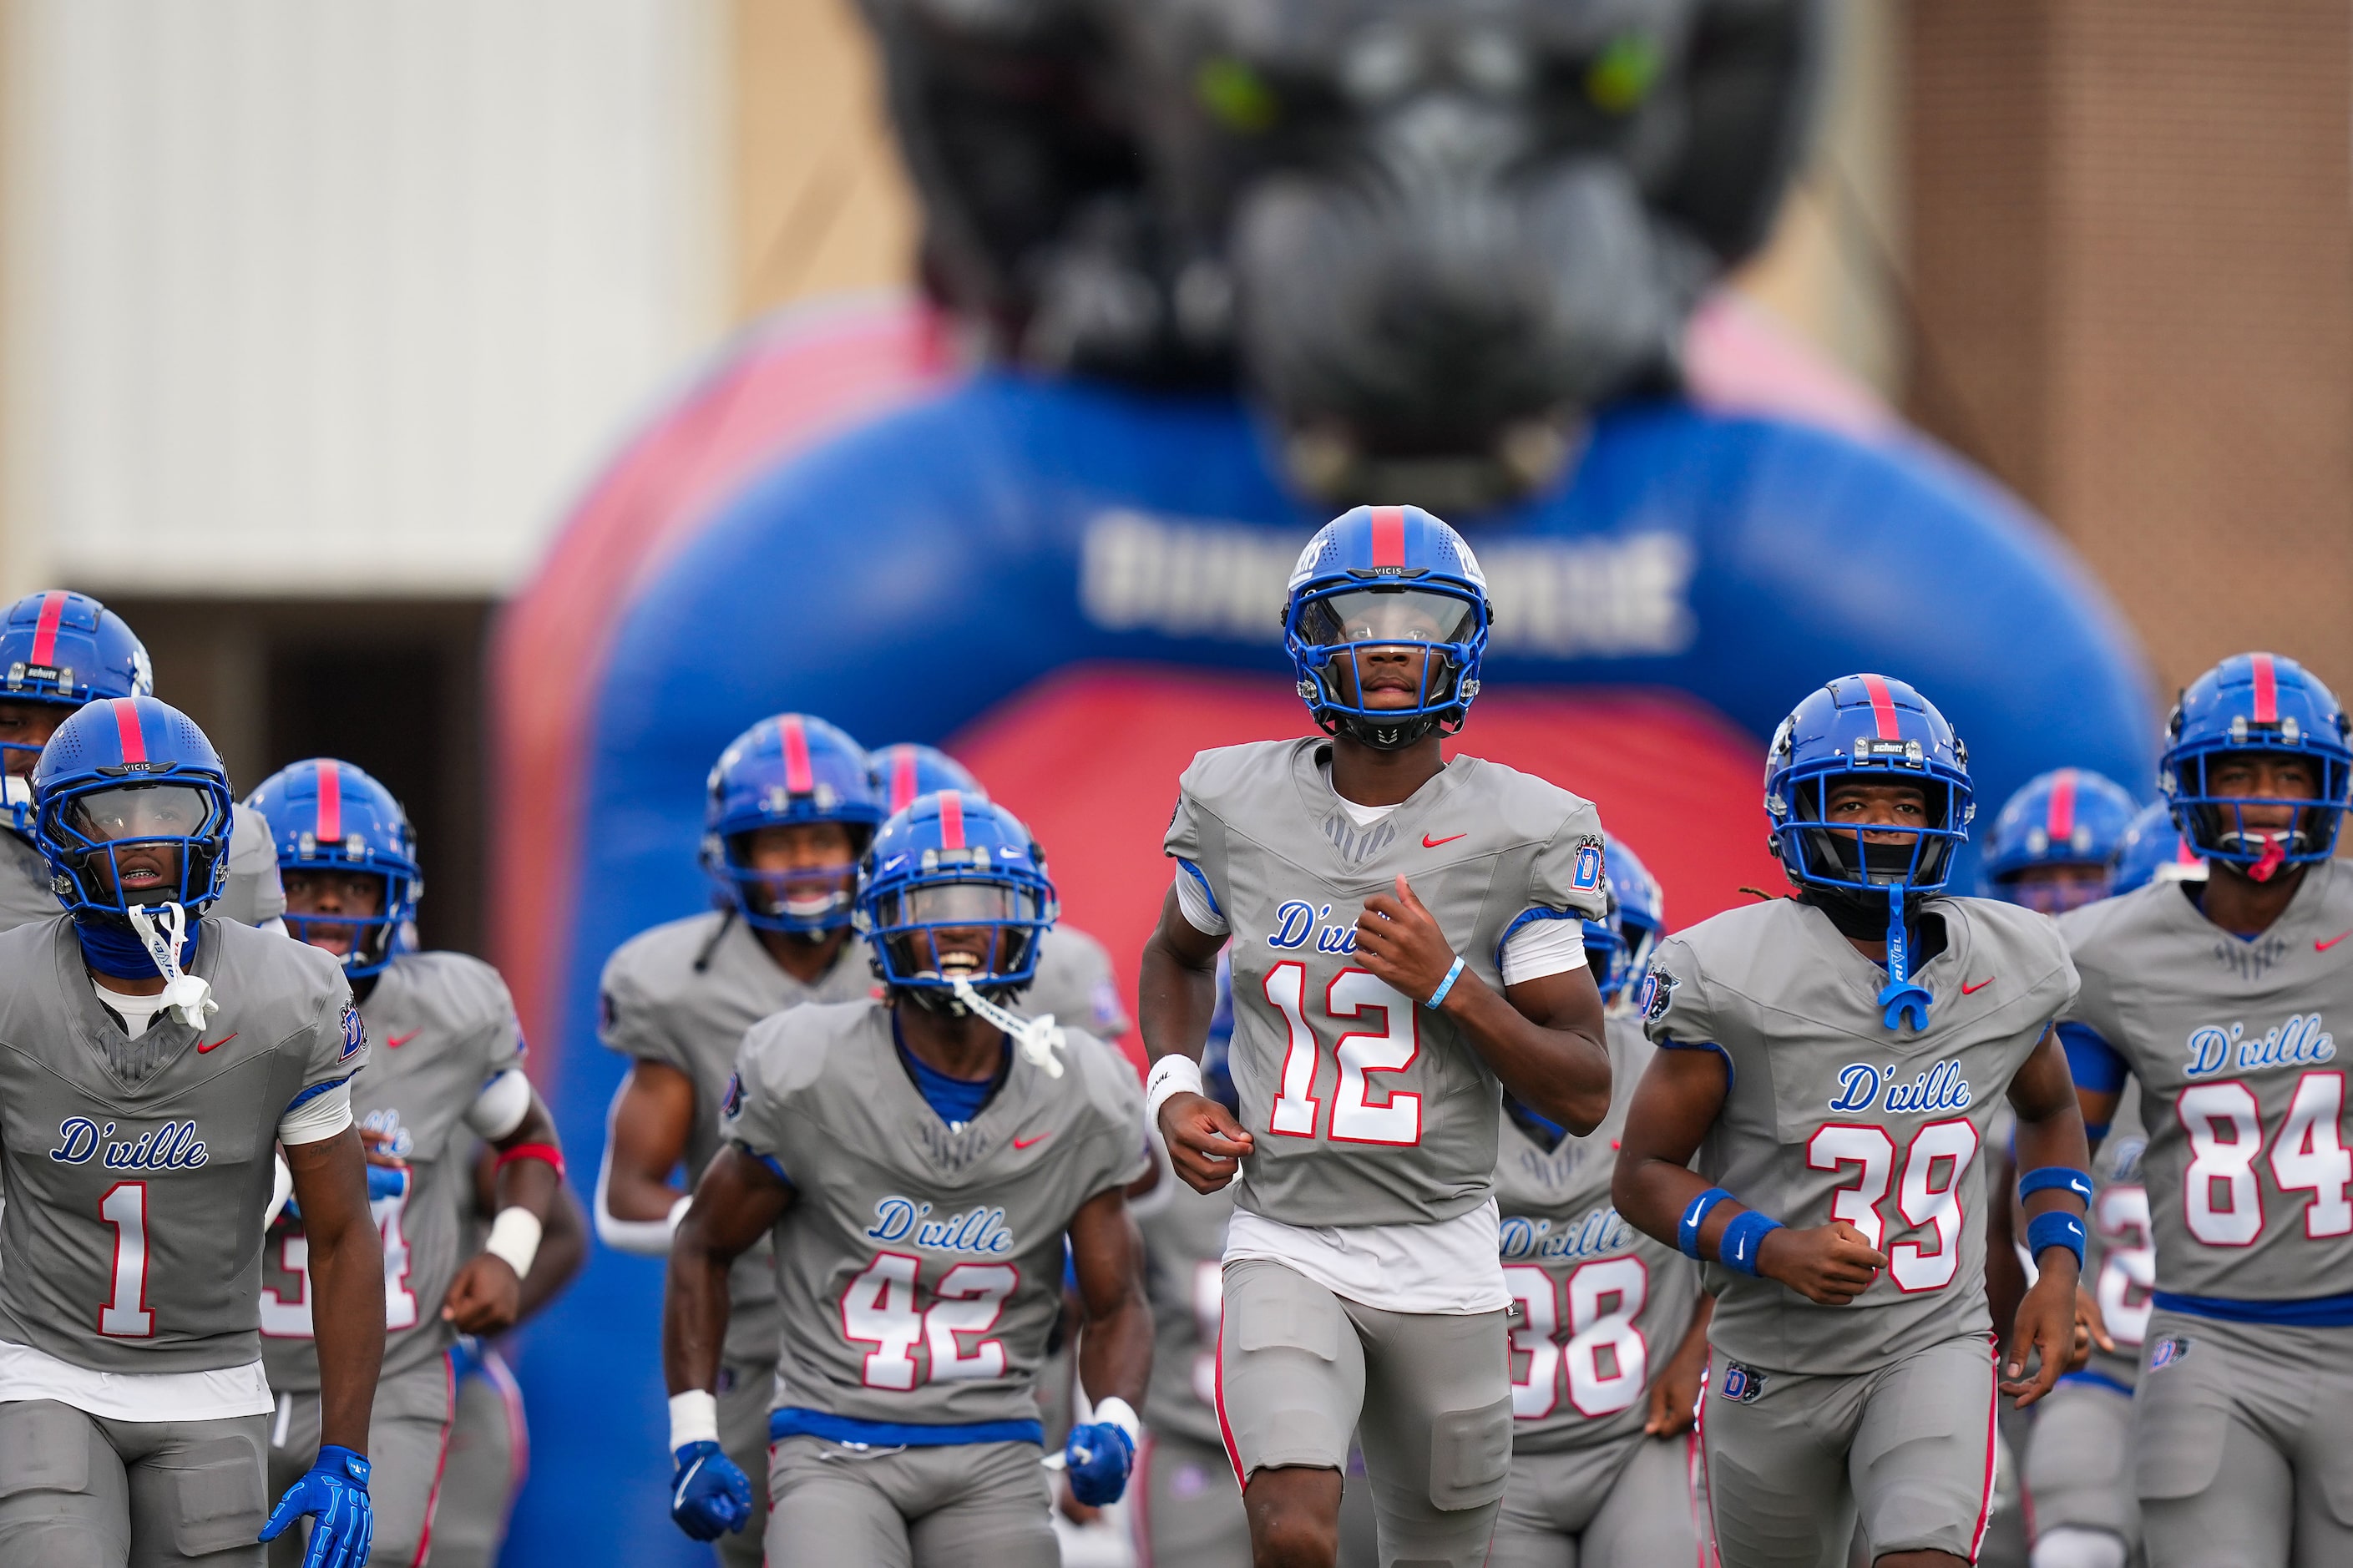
x,y
1449,1266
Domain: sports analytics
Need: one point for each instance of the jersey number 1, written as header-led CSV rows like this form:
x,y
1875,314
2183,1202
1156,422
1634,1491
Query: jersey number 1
x,y
1353,994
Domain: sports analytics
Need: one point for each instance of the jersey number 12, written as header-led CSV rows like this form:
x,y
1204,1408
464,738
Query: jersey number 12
x,y
1352,994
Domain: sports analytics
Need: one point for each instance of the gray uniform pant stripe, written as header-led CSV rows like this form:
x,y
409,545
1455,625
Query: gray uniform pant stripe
x,y
84,1491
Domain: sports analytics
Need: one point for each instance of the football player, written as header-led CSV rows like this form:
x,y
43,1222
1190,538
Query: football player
x,y
920,1159
57,651
1075,986
1608,1327
2216,996
2155,851
790,808
1834,1061
2054,847
1407,944
151,1055
448,1064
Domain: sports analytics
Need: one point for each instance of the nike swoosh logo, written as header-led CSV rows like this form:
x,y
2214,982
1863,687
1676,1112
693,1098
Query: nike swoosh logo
x,y
678,1499
1025,1142
394,1042
1969,990
2319,946
1430,843
204,1045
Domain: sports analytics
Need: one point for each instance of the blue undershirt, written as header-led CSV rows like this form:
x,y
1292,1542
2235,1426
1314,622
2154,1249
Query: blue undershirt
x,y
956,1099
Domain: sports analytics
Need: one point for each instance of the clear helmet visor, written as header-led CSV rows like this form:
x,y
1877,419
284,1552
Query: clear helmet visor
x,y
1387,616
973,928
140,811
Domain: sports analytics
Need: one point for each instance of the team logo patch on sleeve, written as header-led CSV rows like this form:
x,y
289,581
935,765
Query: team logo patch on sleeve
x,y
1658,994
1585,875
733,1100
354,1033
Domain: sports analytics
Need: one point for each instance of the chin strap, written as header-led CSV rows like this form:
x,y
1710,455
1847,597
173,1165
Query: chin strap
x,y
1037,1038
1900,995
161,934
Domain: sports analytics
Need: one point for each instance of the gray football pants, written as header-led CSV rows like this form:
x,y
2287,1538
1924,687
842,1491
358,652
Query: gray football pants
x,y
2243,1444
967,1505
409,1442
489,1451
2079,1464
1791,1460
86,1491
746,1390
1187,1511
1428,1395
1621,1505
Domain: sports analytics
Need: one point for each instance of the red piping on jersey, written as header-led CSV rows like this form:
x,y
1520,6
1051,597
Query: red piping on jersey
x,y
1225,1428
1993,1418
1388,536
903,776
2060,822
800,777
126,727
45,630
2266,689
951,819
1882,707
330,804
441,1464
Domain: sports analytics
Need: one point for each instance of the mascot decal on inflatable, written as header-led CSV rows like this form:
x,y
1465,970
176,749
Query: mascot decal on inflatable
x,y
1199,274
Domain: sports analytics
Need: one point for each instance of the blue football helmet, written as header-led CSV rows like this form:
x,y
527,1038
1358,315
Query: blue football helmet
x,y
62,650
1375,582
1867,729
2068,816
1642,915
955,888
326,815
2257,703
1605,945
129,790
909,769
2155,851
785,772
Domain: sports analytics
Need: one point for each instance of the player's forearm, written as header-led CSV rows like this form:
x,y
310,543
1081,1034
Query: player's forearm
x,y
530,1183
1651,1192
563,1247
694,1310
1176,1001
1562,1073
1116,1351
346,1281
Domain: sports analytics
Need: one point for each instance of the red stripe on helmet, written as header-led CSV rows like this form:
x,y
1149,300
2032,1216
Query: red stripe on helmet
x,y
800,778
1388,536
1882,707
330,804
951,819
2266,689
126,726
903,776
2059,822
2182,854
45,630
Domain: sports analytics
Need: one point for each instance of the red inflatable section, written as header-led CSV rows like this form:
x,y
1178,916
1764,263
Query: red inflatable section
x,y
1089,758
780,388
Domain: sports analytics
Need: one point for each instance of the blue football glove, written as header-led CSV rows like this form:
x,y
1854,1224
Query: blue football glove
x,y
708,1495
334,1492
385,1181
1098,1458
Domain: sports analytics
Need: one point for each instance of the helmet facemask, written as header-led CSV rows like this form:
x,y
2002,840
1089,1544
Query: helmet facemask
x,y
1351,643
808,901
2217,827
984,931
119,845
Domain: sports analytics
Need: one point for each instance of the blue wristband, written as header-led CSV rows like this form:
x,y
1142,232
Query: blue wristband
x,y
1446,984
1742,1239
2049,1176
1694,1216
2055,1228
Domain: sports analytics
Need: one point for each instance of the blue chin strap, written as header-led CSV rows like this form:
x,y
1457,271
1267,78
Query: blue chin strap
x,y
1900,995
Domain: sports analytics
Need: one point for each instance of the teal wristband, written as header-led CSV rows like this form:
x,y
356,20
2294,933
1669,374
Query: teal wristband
x,y
1446,984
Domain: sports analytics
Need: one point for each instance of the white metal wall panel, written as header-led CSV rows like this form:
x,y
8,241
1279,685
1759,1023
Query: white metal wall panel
x,y
330,297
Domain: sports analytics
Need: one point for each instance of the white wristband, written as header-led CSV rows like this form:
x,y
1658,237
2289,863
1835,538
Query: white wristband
x,y
514,1236
693,1418
1117,1412
1172,1074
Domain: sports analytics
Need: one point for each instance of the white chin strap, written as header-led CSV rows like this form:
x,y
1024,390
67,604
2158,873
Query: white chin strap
x,y
186,996
1037,1038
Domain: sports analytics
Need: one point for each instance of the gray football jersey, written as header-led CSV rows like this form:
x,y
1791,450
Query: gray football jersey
x,y
682,995
1832,1116
1184,1275
2249,1191
251,895
1367,1107
1075,983
2120,1255
1596,1307
138,1170
441,1027
919,1267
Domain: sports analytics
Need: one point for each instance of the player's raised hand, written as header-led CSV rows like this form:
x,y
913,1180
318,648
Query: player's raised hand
x,y
1400,942
1205,1144
486,1298
2047,1326
1828,1265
